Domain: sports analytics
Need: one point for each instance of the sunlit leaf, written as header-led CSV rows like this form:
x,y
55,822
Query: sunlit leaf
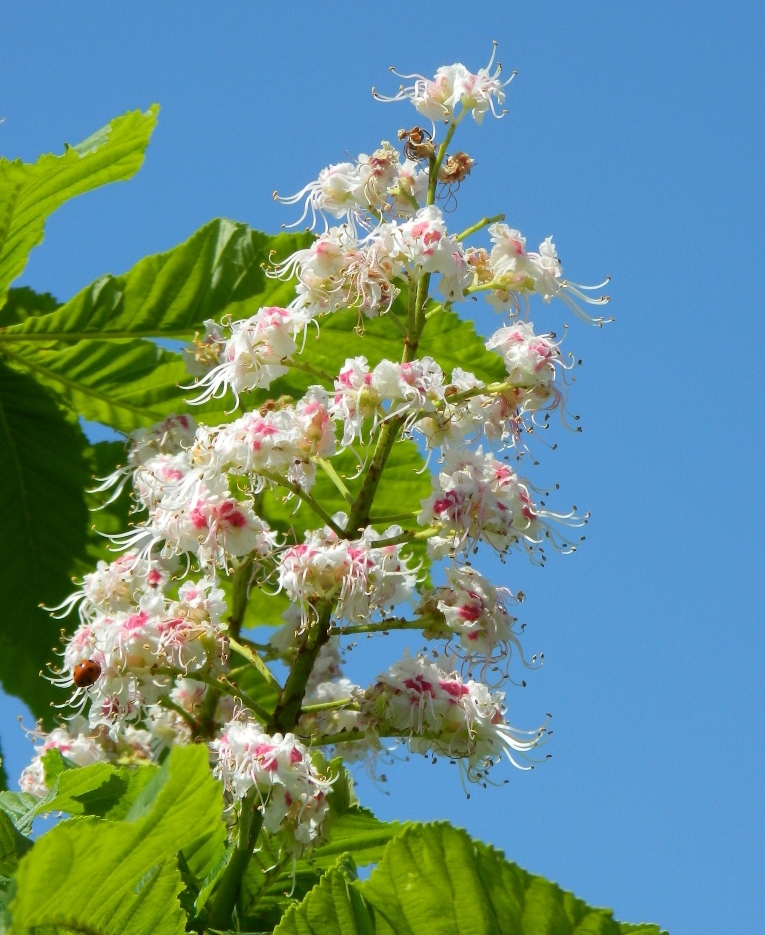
x,y
434,880
121,878
30,193
218,271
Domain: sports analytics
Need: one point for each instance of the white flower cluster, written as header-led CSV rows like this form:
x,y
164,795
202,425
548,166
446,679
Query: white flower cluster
x,y
361,577
114,661
437,712
455,87
477,498
149,664
373,185
476,612
342,270
291,793
509,275
82,746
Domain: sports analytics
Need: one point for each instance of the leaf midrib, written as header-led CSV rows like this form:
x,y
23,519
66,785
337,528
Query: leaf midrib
x,y
72,337
81,388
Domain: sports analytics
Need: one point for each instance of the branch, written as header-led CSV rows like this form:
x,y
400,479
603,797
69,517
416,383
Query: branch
x,y
484,222
227,891
287,712
307,368
346,736
348,703
408,535
240,589
384,626
306,498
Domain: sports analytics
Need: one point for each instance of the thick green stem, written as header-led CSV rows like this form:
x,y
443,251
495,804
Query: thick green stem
x,y
240,591
435,164
287,712
361,509
224,901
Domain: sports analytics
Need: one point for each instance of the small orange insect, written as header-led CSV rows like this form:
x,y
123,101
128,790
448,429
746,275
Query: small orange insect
x,y
86,673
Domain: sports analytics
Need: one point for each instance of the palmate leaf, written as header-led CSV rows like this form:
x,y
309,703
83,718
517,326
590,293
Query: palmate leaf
x,y
218,271
125,385
434,880
45,466
30,193
121,878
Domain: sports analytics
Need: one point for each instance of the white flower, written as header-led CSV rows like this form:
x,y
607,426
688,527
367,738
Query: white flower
x,y
117,586
437,99
478,498
437,712
339,191
207,523
291,792
530,359
74,744
476,611
518,273
203,354
355,399
253,356
169,437
361,577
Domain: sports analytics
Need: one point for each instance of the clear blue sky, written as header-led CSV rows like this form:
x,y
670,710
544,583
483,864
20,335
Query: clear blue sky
x,y
635,136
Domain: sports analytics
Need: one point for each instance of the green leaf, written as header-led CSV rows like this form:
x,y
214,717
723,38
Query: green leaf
x,y
121,878
45,466
13,845
217,271
30,193
100,789
434,880
335,905
246,676
124,385
19,807
43,471
642,928
23,303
